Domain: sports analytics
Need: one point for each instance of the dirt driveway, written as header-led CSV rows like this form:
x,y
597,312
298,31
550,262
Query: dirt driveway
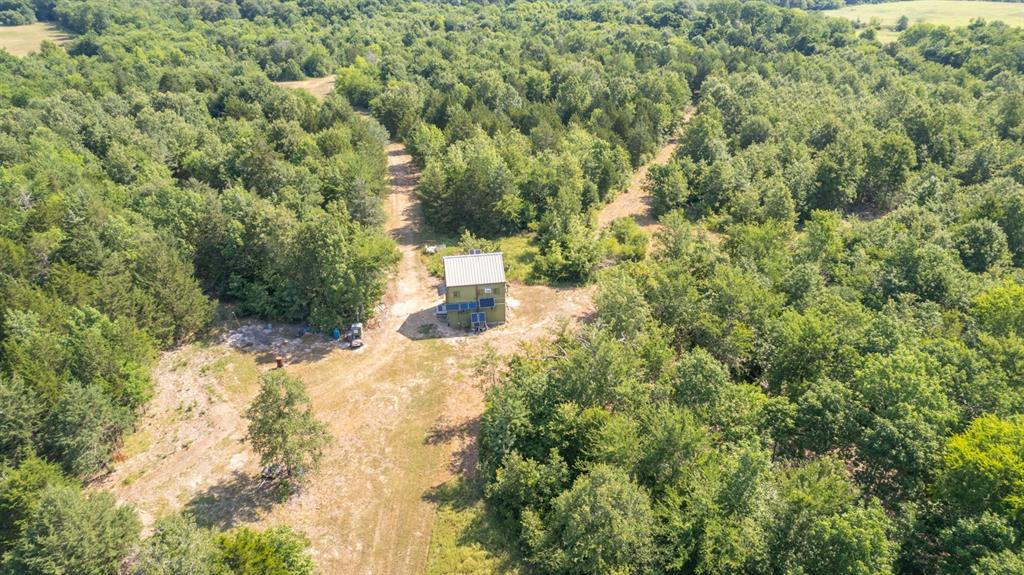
x,y
403,411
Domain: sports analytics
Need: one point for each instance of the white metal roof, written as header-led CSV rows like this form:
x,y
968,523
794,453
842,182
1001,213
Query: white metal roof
x,y
474,269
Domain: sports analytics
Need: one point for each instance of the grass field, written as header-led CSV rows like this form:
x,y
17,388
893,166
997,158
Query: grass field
x,y
466,540
948,12
20,40
318,87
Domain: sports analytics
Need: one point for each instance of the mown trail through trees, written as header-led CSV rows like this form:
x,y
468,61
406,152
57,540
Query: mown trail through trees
x,y
634,201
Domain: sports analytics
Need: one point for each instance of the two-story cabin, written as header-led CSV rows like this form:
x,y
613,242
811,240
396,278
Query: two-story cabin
x,y
475,289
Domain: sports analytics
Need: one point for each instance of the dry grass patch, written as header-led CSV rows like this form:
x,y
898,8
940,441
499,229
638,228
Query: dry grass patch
x,y
190,435
318,87
21,40
947,12
237,372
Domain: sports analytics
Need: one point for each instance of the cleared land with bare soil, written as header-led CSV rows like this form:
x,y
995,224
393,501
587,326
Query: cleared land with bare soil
x,y
404,412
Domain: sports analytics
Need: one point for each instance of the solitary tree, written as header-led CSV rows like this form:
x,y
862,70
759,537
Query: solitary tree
x,y
282,427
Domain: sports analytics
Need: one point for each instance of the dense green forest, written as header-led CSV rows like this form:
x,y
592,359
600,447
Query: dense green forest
x,y
818,370
830,383
145,173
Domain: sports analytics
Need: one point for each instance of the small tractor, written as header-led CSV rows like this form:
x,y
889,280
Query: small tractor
x,y
354,336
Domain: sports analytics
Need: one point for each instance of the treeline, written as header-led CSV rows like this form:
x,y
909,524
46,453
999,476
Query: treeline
x,y
534,124
858,129
14,13
828,386
585,92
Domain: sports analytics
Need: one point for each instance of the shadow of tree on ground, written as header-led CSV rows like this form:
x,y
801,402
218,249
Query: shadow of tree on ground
x,y
464,434
241,499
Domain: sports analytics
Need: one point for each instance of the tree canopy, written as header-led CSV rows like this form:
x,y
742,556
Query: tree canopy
x,y
815,370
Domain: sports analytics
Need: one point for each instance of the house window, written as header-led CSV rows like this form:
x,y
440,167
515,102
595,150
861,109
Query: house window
x,y
488,290
455,293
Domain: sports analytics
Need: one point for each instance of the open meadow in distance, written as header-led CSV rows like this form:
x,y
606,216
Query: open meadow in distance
x,y
948,12
318,87
20,40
